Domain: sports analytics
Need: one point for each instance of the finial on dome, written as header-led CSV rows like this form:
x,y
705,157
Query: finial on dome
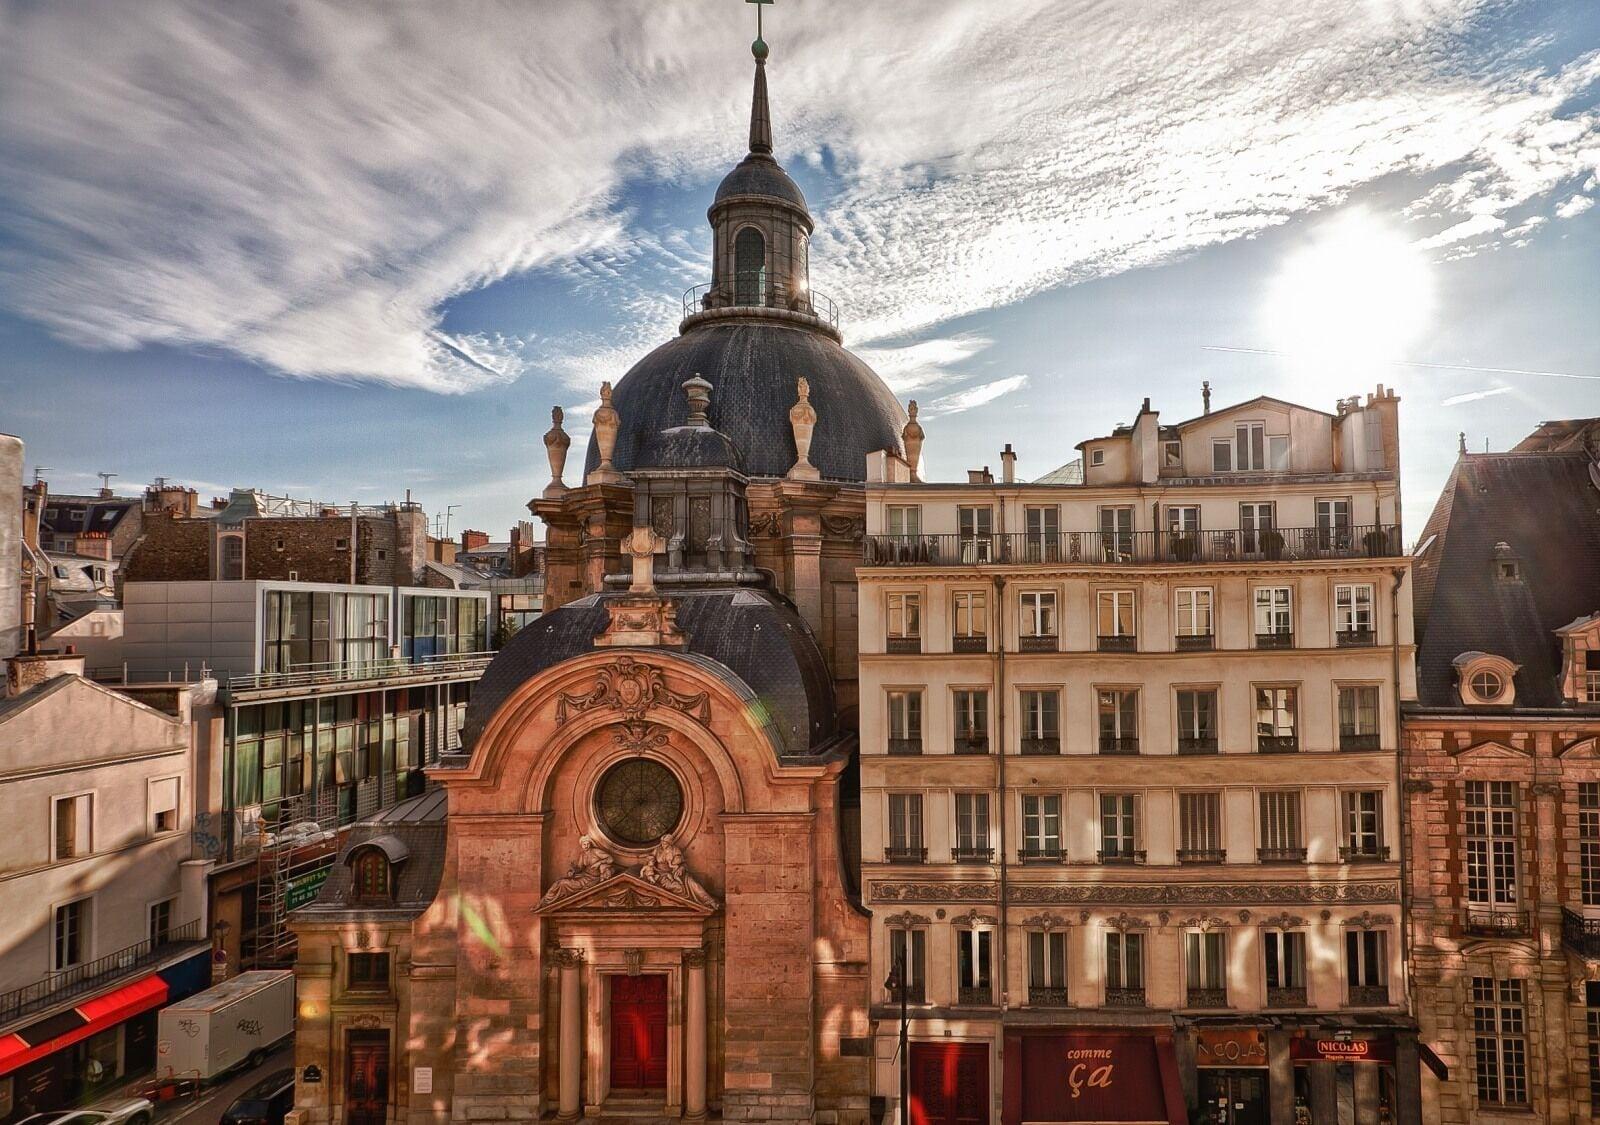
x,y
606,424
803,423
699,392
556,442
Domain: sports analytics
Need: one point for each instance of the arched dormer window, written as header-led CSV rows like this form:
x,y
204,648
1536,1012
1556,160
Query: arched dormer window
x,y
749,267
1485,680
373,866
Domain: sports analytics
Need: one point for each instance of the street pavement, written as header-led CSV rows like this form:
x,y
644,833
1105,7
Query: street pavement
x,y
207,1109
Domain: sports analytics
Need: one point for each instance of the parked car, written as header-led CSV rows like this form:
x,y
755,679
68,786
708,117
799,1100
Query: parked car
x,y
265,1103
121,1111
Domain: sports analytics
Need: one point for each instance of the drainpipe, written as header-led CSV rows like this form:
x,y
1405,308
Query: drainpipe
x,y
1000,749
1399,575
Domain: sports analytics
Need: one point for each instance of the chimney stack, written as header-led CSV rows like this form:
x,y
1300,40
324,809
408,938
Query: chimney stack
x,y
1008,464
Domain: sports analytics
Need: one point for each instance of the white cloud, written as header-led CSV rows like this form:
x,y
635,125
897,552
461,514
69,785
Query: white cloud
x,y
1574,207
1474,396
928,363
983,393
307,186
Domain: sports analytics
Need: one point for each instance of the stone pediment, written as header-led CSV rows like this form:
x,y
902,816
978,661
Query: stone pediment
x,y
1491,749
626,893
1581,748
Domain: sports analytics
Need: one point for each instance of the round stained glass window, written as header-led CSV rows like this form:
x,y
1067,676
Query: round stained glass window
x,y
638,802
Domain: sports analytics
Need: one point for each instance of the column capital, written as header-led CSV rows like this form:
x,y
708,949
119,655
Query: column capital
x,y
694,958
567,958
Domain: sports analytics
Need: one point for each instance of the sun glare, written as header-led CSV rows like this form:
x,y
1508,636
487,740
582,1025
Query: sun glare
x,y
1350,303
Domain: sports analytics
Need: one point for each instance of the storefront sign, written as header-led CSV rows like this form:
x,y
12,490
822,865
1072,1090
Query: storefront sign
x,y
1230,1047
1091,1077
1341,1048
303,888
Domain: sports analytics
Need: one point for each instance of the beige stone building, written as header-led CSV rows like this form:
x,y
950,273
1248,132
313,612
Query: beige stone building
x,y
1503,785
1130,818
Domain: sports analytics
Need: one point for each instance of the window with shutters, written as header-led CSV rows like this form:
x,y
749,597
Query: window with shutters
x,y
971,706
972,829
1285,952
908,953
905,722
1200,828
905,829
1491,839
1124,969
1197,720
1204,958
1500,1046
1119,828
1041,721
1117,711
1041,826
1047,967
1363,826
1589,844
73,819
1281,839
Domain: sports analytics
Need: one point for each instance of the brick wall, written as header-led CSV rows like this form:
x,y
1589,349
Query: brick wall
x,y
170,550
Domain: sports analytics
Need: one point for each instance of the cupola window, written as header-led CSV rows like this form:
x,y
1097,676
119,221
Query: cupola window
x,y
749,267
1485,679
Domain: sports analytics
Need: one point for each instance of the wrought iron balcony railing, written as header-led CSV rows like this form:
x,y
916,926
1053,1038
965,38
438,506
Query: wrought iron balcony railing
x,y
902,645
899,746
1278,743
1041,853
1485,921
754,289
1369,995
1118,642
1197,744
1284,544
1121,855
971,854
1206,997
979,643
914,993
1376,853
1358,742
1356,638
1278,638
971,743
1196,642
1043,997
1111,744
1280,855
1579,934
1278,997
905,855
1125,998
1038,642
55,988
975,994
1046,744
1202,855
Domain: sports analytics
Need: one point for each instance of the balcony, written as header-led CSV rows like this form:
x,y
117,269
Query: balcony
x,y
1050,744
898,746
1286,997
1134,548
1111,744
971,854
1125,998
1278,638
1359,742
1041,997
1120,642
458,665
914,994
1280,855
969,644
1197,744
1377,853
1118,856
1579,934
1278,743
1356,638
1041,642
57,988
1202,855
1369,996
1196,642
1205,998
975,994
971,743
1041,853
902,645
1483,921
905,855
754,289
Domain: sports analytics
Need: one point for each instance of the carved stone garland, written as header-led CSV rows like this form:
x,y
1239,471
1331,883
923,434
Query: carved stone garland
x,y
632,688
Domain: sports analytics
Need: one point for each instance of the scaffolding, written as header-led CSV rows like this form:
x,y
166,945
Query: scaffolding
x,y
284,872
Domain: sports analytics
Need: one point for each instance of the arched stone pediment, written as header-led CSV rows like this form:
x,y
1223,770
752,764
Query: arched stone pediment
x,y
626,893
1588,747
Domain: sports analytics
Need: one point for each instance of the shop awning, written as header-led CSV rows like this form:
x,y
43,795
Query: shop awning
x,y
49,1035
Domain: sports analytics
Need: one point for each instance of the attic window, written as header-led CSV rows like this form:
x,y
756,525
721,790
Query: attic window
x,y
371,876
1507,566
1487,684
1485,679
1509,569
1172,454
1097,457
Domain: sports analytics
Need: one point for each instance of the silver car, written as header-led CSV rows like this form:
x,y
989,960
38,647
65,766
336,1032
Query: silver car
x,y
120,1111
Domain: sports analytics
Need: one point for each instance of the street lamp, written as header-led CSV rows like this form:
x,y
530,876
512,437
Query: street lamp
x,y
897,984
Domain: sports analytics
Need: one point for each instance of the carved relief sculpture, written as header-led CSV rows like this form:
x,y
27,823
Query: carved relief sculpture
x,y
665,869
593,866
803,421
556,444
633,688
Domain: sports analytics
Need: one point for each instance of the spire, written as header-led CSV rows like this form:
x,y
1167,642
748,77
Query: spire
x,y
760,115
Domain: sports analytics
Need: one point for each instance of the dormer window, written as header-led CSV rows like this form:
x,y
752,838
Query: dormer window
x,y
371,875
1485,680
1507,566
1580,660
374,870
1097,457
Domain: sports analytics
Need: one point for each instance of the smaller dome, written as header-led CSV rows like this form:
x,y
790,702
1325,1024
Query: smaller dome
x,y
757,174
692,447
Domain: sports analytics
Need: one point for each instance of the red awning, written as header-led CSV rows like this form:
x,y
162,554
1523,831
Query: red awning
x,y
98,1013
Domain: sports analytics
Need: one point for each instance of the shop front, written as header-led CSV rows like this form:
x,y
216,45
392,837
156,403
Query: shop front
x,y
1121,1074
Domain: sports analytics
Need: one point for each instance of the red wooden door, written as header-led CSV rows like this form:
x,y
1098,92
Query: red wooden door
x,y
949,1084
366,1083
639,1032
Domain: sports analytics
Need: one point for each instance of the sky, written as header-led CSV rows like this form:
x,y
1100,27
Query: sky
x,y
345,249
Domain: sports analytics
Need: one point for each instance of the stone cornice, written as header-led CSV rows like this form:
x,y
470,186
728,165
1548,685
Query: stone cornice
x,y
1149,894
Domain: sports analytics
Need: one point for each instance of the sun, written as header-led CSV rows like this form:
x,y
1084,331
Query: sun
x,y
1350,302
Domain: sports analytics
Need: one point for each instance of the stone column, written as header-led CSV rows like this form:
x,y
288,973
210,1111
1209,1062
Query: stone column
x,y
1366,1087
1280,1077
571,1073
694,1019
1324,1094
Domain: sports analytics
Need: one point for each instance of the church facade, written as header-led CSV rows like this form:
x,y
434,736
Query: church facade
x,y
632,894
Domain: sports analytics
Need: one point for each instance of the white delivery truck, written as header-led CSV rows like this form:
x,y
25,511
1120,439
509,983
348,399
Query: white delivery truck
x,y
226,1026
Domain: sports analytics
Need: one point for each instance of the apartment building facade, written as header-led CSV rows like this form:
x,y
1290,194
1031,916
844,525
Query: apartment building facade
x,y
1130,816
1502,784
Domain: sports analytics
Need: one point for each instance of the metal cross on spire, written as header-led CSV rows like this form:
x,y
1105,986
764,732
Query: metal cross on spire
x,y
759,46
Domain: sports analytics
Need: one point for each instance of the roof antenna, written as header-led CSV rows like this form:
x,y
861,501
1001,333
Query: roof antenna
x,y
105,484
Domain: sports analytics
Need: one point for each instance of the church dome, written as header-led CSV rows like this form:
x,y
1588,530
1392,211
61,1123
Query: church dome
x,y
754,364
759,175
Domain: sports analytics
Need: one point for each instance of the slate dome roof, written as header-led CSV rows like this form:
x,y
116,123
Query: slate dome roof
x,y
693,447
753,634
757,174
752,364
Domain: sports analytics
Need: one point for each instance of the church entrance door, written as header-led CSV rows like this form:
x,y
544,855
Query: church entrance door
x,y
639,1032
367,1078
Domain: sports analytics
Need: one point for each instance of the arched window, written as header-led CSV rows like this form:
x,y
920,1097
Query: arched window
x,y
371,875
749,267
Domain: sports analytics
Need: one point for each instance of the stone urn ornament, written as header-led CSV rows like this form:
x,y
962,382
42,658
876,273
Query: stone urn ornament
x,y
912,435
556,443
606,423
803,421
